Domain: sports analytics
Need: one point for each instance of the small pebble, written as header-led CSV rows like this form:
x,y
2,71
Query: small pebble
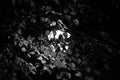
x,y
23,49
76,22
78,74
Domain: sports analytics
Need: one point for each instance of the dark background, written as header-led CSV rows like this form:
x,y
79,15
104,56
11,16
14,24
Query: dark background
x,y
110,8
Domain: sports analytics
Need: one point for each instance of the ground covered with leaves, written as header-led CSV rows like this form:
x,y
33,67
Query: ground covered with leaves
x,y
56,40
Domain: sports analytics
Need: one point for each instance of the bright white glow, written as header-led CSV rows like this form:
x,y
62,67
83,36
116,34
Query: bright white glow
x,y
51,35
53,23
58,33
60,47
66,47
68,35
53,48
